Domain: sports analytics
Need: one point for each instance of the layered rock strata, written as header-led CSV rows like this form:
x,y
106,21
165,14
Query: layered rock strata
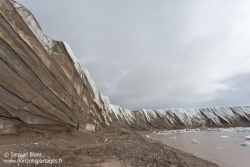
x,y
43,88
41,82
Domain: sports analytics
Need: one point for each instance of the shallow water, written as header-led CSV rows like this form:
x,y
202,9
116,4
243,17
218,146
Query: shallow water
x,y
222,148
111,163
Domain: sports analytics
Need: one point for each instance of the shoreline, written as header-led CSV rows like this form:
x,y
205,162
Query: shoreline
x,y
191,159
107,147
211,144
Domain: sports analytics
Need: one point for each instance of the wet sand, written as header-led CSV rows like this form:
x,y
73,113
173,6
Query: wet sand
x,y
222,148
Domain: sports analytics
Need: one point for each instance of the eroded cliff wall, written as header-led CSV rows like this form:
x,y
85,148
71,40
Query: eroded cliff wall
x,y
44,88
41,83
182,117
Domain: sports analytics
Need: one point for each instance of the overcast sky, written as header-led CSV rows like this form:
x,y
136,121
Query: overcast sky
x,y
157,54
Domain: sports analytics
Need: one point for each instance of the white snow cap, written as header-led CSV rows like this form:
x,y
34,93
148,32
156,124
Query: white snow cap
x,y
71,54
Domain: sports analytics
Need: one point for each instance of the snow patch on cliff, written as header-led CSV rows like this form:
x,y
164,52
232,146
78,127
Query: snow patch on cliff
x,y
33,25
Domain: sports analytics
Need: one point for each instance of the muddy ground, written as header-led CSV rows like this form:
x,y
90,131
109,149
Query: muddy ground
x,y
119,147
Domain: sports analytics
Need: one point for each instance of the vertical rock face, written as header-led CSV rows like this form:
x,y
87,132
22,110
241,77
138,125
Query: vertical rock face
x,y
41,82
43,87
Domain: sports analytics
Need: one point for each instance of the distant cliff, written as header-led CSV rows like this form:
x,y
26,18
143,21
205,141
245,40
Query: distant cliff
x,y
184,117
44,88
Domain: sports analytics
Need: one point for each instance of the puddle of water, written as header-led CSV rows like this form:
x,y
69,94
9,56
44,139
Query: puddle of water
x,y
112,163
222,148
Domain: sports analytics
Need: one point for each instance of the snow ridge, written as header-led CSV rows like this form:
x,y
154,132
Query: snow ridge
x,y
186,117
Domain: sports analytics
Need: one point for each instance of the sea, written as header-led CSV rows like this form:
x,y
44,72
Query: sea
x,y
227,147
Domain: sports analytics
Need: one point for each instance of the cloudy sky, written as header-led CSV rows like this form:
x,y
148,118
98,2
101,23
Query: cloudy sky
x,y
157,54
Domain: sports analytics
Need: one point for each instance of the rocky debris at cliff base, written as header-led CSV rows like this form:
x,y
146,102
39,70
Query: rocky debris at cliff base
x,y
82,149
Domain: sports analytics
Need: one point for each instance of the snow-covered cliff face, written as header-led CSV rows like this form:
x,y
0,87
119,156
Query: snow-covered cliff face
x,y
184,117
43,87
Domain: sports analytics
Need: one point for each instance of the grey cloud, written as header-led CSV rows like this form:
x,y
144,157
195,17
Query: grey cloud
x,y
239,94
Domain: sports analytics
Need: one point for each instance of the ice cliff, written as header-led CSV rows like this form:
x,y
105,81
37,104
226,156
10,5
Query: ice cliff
x,y
44,88
184,117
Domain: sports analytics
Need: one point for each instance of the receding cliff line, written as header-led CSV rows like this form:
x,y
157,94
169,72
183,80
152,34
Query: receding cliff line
x,y
44,88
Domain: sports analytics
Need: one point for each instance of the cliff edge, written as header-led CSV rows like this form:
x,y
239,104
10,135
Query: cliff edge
x,y
44,88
